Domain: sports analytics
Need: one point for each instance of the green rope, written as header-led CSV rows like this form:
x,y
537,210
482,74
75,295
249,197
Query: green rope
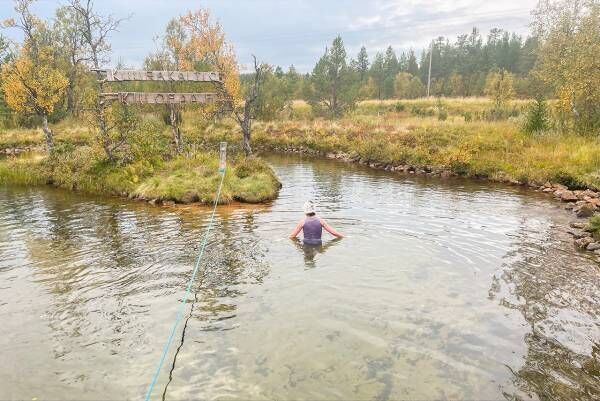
x,y
187,292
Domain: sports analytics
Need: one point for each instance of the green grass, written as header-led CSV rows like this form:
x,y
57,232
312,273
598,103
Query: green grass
x,y
65,132
473,106
182,179
196,179
22,171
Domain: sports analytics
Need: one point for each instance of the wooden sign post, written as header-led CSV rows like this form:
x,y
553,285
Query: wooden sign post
x,y
159,97
158,76
163,76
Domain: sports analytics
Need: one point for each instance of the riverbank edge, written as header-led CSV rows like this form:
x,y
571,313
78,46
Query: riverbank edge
x,y
583,203
247,181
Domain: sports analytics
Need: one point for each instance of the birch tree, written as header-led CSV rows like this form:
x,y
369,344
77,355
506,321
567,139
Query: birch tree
x,y
568,60
95,30
31,82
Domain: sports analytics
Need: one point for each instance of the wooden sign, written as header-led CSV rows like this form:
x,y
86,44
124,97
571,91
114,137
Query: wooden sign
x,y
164,76
159,98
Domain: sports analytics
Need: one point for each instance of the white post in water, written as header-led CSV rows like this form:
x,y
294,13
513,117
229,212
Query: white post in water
x,y
222,156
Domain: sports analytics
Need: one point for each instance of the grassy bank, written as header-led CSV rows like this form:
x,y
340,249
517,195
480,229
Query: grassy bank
x,y
182,179
461,140
496,150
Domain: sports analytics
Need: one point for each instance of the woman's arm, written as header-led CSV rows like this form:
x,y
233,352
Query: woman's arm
x,y
330,229
297,229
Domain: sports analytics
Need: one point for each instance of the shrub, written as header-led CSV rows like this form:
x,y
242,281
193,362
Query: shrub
x,y
536,118
399,107
567,179
146,141
249,166
442,115
594,226
165,116
418,110
497,114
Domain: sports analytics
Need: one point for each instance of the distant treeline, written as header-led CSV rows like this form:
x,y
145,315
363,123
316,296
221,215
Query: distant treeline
x,y
459,68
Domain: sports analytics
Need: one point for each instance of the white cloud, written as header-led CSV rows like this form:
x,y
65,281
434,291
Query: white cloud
x,y
413,23
288,32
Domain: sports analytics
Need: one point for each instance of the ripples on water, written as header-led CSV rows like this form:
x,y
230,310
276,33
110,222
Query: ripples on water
x,y
442,290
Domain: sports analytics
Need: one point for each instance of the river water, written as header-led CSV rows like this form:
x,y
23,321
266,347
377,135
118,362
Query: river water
x,y
443,289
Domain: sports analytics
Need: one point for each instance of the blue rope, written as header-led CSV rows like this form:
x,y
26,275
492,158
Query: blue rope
x,y
187,293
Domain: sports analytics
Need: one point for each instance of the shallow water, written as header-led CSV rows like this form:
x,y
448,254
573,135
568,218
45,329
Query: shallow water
x,y
442,290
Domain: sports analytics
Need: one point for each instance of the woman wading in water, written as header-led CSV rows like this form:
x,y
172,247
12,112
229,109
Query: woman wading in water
x,y
312,226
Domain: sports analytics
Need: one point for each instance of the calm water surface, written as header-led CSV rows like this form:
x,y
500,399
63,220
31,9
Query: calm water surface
x,y
442,290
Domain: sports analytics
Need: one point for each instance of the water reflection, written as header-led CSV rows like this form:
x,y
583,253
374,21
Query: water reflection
x,y
441,290
310,251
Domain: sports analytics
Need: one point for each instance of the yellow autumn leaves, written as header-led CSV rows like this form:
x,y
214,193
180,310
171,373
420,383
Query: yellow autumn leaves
x,y
569,60
200,41
499,87
31,83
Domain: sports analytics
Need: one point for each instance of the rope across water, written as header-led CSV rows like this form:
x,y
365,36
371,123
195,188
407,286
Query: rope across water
x,y
187,291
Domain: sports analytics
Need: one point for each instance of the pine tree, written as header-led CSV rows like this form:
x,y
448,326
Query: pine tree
x,y
390,67
362,63
536,119
412,66
378,74
334,87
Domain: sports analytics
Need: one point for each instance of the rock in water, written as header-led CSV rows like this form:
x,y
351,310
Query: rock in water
x,y
593,201
583,242
593,246
577,224
190,197
586,210
568,196
579,234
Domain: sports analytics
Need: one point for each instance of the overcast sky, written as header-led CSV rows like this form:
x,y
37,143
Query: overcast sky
x,y
285,32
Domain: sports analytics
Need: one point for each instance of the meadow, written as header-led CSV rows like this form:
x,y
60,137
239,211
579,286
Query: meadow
x,y
460,136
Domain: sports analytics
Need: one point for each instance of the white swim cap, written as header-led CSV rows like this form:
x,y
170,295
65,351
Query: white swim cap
x,y
309,207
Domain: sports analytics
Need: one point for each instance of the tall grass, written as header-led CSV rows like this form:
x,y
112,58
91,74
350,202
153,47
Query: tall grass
x,y
497,150
375,131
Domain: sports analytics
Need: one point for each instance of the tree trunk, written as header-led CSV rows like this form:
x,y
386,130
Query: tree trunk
x,y
247,128
334,102
47,134
102,127
104,138
175,129
247,147
71,95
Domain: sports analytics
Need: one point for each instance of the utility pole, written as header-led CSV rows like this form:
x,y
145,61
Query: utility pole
x,y
429,76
